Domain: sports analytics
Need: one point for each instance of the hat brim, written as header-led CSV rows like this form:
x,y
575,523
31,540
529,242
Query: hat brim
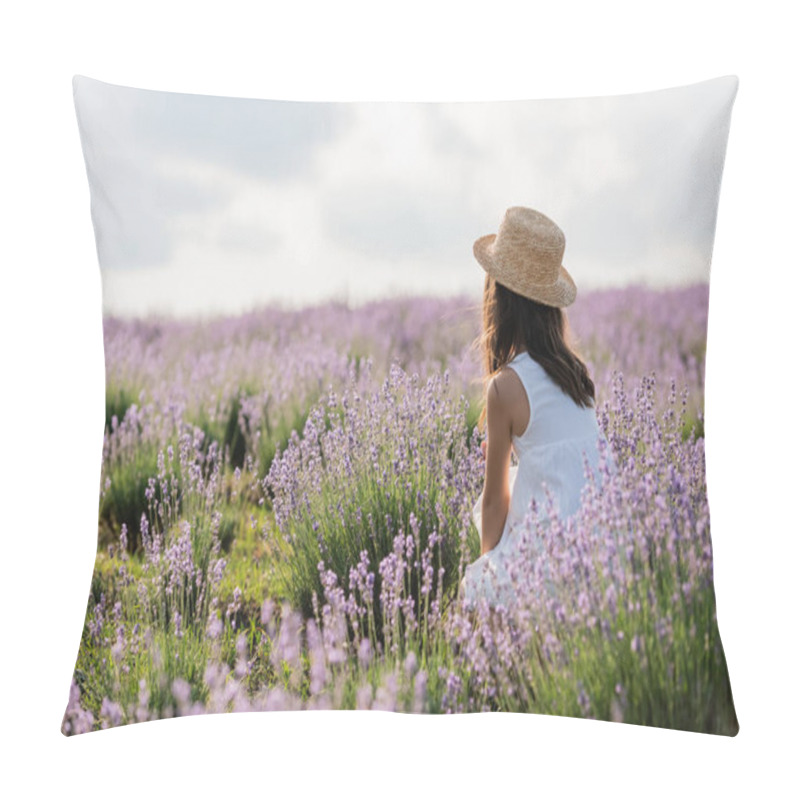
x,y
560,294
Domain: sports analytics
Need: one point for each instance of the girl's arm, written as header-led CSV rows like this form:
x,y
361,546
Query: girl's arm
x,y
496,492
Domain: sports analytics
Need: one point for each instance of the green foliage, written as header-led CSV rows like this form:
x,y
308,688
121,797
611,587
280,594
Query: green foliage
x,y
124,501
119,398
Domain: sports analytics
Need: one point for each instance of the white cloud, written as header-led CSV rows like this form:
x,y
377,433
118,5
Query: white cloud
x,y
372,198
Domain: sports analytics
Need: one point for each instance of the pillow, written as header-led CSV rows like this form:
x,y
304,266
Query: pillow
x,y
312,315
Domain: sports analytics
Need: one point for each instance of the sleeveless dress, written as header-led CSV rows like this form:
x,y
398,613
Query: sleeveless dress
x,y
550,451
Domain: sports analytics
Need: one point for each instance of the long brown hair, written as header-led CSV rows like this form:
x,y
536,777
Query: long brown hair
x,y
512,324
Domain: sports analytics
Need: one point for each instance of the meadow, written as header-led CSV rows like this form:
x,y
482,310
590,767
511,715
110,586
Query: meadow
x,y
285,515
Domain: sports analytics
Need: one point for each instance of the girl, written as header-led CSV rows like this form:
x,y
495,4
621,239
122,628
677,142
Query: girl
x,y
540,400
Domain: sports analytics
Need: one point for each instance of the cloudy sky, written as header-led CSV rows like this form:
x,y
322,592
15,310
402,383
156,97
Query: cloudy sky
x,y
206,205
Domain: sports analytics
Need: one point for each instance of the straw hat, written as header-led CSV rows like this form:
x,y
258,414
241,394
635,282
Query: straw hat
x,y
525,256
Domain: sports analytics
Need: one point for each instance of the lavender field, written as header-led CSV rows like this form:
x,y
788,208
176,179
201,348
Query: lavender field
x,y
285,515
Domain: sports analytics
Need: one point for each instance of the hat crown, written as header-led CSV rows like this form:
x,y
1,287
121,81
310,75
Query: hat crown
x,y
529,236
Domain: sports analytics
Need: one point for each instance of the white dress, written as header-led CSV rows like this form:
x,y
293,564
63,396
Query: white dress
x,y
550,451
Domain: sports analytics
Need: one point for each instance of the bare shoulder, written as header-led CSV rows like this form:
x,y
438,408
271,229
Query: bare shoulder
x,y
506,387
506,395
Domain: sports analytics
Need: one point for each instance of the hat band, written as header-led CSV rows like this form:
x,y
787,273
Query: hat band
x,y
512,273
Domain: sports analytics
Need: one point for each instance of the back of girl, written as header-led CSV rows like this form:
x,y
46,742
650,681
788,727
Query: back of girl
x,y
540,399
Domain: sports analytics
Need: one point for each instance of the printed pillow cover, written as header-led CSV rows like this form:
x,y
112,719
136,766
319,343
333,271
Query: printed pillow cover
x,y
292,317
